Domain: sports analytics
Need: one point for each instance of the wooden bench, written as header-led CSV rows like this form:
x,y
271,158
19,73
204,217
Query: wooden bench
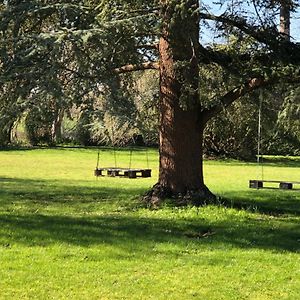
x,y
123,172
284,185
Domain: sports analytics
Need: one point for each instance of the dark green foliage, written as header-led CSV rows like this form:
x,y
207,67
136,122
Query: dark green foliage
x,y
69,50
38,129
83,132
233,133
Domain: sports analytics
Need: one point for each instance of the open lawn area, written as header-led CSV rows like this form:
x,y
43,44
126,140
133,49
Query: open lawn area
x,y
65,234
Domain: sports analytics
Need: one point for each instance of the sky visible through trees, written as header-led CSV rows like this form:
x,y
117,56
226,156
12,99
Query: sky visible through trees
x,y
217,9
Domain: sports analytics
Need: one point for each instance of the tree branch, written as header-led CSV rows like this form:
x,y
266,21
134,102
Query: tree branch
x,y
266,36
234,64
233,95
137,67
248,87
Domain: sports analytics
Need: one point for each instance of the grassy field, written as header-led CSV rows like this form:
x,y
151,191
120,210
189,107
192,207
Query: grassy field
x,y
66,235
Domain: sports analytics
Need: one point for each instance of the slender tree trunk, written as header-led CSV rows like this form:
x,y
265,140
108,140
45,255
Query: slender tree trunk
x,y
5,133
4,139
181,126
285,19
56,128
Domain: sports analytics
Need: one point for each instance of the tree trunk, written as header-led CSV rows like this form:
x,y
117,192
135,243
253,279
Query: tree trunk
x,y
285,19
5,133
56,127
181,126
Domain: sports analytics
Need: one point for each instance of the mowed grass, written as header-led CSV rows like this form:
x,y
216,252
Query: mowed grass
x,y
66,235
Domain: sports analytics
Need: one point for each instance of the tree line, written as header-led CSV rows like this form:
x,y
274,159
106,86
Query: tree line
x,y
132,119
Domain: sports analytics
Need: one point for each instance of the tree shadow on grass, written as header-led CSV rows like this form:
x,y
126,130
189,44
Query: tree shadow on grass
x,y
67,192
286,162
76,148
126,230
106,148
280,162
267,201
141,235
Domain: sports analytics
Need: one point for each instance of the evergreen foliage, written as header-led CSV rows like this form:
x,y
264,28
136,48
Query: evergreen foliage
x,y
67,51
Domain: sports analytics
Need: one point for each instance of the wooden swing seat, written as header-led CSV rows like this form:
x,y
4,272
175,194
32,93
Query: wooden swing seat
x,y
122,172
284,185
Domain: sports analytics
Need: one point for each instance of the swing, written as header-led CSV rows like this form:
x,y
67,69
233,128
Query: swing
x,y
122,172
260,183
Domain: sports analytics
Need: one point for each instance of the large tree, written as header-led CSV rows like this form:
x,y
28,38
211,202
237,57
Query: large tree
x,y
183,116
82,46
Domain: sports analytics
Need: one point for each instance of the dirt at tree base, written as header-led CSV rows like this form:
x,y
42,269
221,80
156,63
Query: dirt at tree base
x,y
160,194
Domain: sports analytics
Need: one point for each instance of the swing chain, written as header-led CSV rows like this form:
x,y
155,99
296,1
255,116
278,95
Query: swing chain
x,y
259,139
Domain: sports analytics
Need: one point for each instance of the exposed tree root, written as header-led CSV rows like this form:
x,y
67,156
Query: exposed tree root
x,y
158,194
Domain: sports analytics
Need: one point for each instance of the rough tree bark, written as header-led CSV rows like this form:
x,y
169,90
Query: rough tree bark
x,y
181,125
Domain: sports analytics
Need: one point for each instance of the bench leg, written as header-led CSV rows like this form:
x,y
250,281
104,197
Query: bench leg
x,y
131,174
98,172
285,185
255,184
146,173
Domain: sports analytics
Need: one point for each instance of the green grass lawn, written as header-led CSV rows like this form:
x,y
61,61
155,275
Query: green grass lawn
x,y
66,235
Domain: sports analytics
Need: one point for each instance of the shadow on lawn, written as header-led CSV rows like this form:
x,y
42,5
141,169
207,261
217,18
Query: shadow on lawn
x,y
131,232
76,148
48,192
285,162
267,201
